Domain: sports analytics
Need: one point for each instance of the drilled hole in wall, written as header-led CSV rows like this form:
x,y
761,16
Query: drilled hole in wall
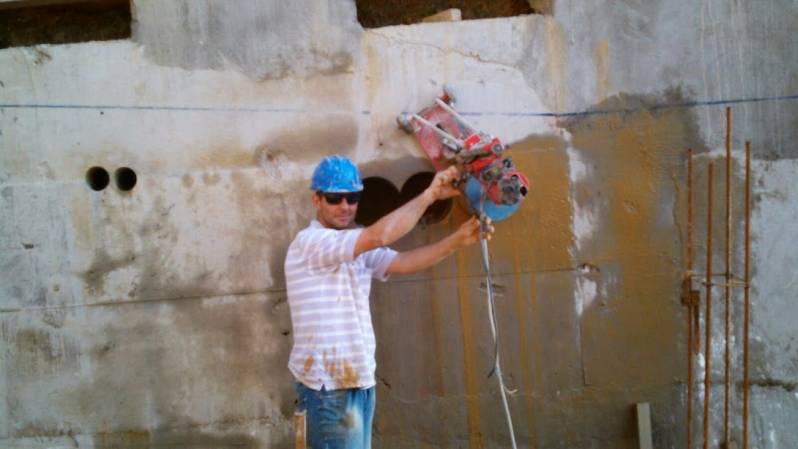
x,y
125,179
373,14
416,184
97,178
379,198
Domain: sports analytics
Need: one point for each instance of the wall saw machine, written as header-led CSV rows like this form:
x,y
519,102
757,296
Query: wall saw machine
x,y
492,185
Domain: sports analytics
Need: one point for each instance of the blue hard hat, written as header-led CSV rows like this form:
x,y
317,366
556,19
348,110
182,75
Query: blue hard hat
x,y
336,174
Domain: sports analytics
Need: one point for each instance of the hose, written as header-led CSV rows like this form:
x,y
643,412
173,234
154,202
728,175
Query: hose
x,y
492,312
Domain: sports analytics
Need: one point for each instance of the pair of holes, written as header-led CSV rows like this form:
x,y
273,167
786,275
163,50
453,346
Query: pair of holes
x,y
380,197
98,178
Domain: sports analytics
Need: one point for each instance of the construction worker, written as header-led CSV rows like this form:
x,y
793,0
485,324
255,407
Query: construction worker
x,y
328,270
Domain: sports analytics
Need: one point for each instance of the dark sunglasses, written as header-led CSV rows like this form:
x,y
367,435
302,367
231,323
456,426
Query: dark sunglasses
x,y
336,198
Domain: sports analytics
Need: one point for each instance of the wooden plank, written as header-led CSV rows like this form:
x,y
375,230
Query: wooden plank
x,y
644,426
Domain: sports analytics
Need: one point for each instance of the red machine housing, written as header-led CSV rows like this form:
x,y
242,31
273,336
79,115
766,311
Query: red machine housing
x,y
447,138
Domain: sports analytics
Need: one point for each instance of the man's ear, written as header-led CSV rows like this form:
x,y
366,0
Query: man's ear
x,y
316,199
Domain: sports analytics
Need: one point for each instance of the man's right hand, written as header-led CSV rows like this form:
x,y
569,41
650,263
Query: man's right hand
x,y
442,186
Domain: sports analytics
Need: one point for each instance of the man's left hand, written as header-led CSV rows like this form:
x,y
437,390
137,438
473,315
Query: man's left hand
x,y
471,231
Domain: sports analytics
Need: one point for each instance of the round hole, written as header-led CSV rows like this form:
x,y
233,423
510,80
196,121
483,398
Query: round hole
x,y
380,197
97,178
125,179
413,187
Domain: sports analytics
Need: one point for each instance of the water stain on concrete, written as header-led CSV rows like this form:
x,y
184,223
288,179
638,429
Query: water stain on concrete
x,y
312,138
128,439
225,156
211,178
264,232
187,180
35,350
103,264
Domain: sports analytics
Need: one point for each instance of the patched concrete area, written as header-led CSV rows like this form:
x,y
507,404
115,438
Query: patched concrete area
x,y
157,317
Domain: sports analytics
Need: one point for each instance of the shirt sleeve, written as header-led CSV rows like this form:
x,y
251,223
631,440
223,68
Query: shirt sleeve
x,y
378,260
325,248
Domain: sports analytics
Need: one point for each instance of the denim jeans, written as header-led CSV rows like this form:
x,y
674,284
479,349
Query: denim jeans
x,y
337,419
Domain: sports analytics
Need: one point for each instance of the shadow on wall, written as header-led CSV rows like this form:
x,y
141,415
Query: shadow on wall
x,y
372,14
381,197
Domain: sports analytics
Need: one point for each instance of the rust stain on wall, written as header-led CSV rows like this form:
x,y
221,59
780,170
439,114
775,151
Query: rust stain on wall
x,y
474,433
541,227
524,351
437,322
634,159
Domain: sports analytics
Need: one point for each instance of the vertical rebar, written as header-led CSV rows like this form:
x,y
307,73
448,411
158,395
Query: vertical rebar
x,y
727,289
695,300
708,314
746,289
689,296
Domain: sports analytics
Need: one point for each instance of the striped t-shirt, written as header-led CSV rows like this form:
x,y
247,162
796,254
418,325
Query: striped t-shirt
x,y
328,295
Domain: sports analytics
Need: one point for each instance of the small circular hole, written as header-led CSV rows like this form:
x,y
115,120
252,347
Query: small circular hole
x,y
125,179
97,178
380,197
413,187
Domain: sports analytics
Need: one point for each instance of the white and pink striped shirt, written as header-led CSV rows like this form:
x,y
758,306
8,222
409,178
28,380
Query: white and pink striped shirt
x,y
328,295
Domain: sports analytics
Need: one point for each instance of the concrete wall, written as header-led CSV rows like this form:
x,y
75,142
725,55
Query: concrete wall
x,y
157,317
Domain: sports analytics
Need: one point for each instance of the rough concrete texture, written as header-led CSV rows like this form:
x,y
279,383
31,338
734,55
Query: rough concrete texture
x,y
262,38
157,317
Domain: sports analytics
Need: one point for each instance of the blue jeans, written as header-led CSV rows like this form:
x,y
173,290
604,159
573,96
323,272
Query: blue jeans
x,y
337,419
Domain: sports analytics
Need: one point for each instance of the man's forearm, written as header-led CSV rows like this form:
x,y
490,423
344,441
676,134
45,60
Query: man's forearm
x,y
425,256
393,226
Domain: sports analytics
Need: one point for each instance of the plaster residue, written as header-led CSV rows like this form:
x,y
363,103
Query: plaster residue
x,y
585,213
586,293
635,158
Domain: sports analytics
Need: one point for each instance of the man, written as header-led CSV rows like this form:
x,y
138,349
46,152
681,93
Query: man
x,y
328,272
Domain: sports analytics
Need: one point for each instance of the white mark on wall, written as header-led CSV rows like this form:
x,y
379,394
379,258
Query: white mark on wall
x,y
586,293
584,216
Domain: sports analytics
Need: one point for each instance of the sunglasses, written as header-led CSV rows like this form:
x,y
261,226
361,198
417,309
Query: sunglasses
x,y
336,198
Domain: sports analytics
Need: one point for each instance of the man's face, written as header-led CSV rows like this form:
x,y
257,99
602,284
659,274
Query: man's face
x,y
332,215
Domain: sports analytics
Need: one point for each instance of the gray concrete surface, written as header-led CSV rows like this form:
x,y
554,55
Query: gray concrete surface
x,y
157,317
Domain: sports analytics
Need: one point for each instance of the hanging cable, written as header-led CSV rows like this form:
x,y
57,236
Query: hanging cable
x,y
484,226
